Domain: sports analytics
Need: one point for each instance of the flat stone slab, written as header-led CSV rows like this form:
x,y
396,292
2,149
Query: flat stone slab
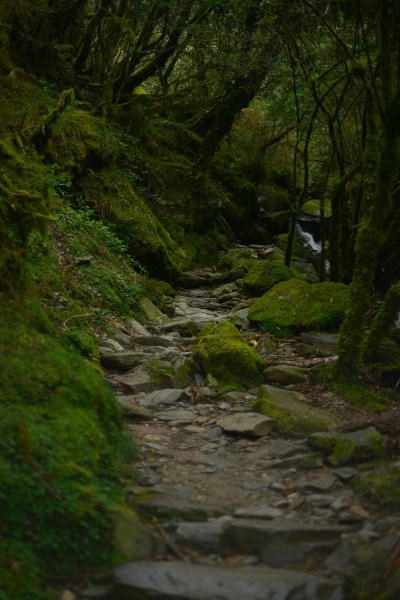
x,y
185,581
281,543
247,424
201,536
137,328
286,374
137,380
259,512
121,361
153,340
164,397
293,414
179,414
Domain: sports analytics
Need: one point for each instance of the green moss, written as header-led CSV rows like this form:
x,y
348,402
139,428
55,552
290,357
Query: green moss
x,y
237,261
294,306
357,395
224,353
312,207
24,207
61,446
381,485
264,274
79,141
293,415
117,203
298,246
343,448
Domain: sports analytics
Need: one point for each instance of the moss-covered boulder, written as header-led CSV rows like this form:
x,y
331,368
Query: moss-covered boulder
x,y
381,485
264,274
294,416
343,448
118,204
236,261
224,353
294,306
312,208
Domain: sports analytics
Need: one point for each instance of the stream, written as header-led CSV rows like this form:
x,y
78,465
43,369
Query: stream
x,y
232,515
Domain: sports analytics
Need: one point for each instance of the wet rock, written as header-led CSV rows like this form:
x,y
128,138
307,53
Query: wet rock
x,y
121,361
247,424
285,374
292,413
213,434
162,397
281,543
200,582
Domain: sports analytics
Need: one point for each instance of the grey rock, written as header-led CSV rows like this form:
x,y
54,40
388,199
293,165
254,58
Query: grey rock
x,y
122,338
213,433
162,397
260,512
137,380
153,340
281,543
285,374
177,415
247,424
321,500
112,345
121,361
173,580
137,328
346,473
131,410
201,536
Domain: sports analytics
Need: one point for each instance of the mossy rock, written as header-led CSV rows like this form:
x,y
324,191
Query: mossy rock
x,y
273,197
293,415
298,250
79,141
381,485
237,261
224,353
357,395
312,208
286,374
118,204
344,448
294,306
264,274
132,540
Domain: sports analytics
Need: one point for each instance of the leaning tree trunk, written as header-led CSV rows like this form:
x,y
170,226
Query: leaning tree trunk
x,y
382,322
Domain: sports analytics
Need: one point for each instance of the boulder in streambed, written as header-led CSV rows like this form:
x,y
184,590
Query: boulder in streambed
x,y
223,352
294,306
293,414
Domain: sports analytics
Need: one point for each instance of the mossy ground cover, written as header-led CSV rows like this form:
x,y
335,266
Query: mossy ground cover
x,y
224,353
294,306
264,274
62,448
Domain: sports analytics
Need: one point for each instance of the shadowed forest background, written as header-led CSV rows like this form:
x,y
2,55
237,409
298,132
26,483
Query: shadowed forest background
x,y
141,139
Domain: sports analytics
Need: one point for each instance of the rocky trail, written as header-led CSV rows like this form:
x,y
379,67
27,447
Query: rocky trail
x,y
236,509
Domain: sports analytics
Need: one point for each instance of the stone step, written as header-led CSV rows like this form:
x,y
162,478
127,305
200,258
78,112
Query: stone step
x,y
185,581
277,543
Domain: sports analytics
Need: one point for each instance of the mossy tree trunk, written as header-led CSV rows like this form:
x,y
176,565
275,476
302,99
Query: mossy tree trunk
x,y
382,322
381,164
